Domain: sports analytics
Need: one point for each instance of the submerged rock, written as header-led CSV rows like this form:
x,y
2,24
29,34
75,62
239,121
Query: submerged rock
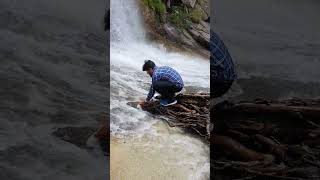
x,y
103,136
75,135
86,137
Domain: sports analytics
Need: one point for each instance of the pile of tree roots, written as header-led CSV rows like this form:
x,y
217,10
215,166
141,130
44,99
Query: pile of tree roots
x,y
251,140
191,113
266,140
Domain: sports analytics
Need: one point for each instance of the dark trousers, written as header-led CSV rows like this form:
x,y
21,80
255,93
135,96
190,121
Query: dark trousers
x,y
166,89
218,89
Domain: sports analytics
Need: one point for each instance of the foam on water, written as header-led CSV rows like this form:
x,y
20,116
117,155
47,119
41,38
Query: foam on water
x,y
130,83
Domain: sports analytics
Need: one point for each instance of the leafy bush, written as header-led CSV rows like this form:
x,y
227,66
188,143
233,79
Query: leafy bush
x,y
197,15
179,17
156,5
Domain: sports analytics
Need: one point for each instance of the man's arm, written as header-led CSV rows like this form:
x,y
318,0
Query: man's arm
x,y
156,77
151,93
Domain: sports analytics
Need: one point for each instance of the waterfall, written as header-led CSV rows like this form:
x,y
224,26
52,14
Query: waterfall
x,y
126,24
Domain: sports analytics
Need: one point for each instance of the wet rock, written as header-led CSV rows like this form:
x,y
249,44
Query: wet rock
x,y
177,36
75,135
204,5
103,136
203,10
187,39
201,33
189,3
171,31
187,26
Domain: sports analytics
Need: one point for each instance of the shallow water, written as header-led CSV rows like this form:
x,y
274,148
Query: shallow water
x,y
165,154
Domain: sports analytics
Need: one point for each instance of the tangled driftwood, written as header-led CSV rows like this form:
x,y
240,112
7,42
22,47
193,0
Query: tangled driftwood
x,y
191,113
266,140
252,140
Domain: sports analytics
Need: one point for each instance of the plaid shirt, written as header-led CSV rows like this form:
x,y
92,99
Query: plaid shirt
x,y
165,73
221,65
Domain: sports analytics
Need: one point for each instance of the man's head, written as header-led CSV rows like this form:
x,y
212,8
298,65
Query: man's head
x,y
148,66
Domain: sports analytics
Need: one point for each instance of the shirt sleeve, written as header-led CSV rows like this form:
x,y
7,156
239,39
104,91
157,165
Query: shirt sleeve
x,y
155,78
151,93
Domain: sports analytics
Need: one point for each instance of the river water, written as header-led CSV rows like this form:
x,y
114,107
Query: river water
x,y
143,146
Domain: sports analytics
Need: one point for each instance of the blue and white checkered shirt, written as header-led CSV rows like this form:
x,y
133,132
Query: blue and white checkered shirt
x,y
165,73
221,65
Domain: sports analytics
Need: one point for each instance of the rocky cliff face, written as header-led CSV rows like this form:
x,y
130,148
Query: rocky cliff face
x,y
181,22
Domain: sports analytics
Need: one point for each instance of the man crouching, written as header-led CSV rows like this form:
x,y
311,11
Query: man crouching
x,y
165,80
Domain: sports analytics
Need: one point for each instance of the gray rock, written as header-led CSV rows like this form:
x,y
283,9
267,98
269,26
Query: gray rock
x,y
75,135
176,36
171,32
204,9
187,39
204,5
201,33
189,3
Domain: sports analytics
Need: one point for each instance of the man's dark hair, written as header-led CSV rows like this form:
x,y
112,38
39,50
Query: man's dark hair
x,y
148,64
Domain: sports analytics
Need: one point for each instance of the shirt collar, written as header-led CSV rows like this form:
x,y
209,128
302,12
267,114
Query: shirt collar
x,y
154,69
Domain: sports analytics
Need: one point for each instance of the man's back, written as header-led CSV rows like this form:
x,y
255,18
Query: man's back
x,y
221,64
167,73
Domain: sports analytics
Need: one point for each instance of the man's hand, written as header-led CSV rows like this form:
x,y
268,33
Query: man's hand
x,y
142,102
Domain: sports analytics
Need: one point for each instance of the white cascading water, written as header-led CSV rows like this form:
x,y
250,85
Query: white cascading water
x,y
167,149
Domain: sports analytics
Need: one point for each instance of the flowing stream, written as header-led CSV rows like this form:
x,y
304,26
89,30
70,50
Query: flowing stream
x,y
143,146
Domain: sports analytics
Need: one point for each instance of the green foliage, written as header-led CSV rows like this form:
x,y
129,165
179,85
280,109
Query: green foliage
x,y
179,17
156,5
197,15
